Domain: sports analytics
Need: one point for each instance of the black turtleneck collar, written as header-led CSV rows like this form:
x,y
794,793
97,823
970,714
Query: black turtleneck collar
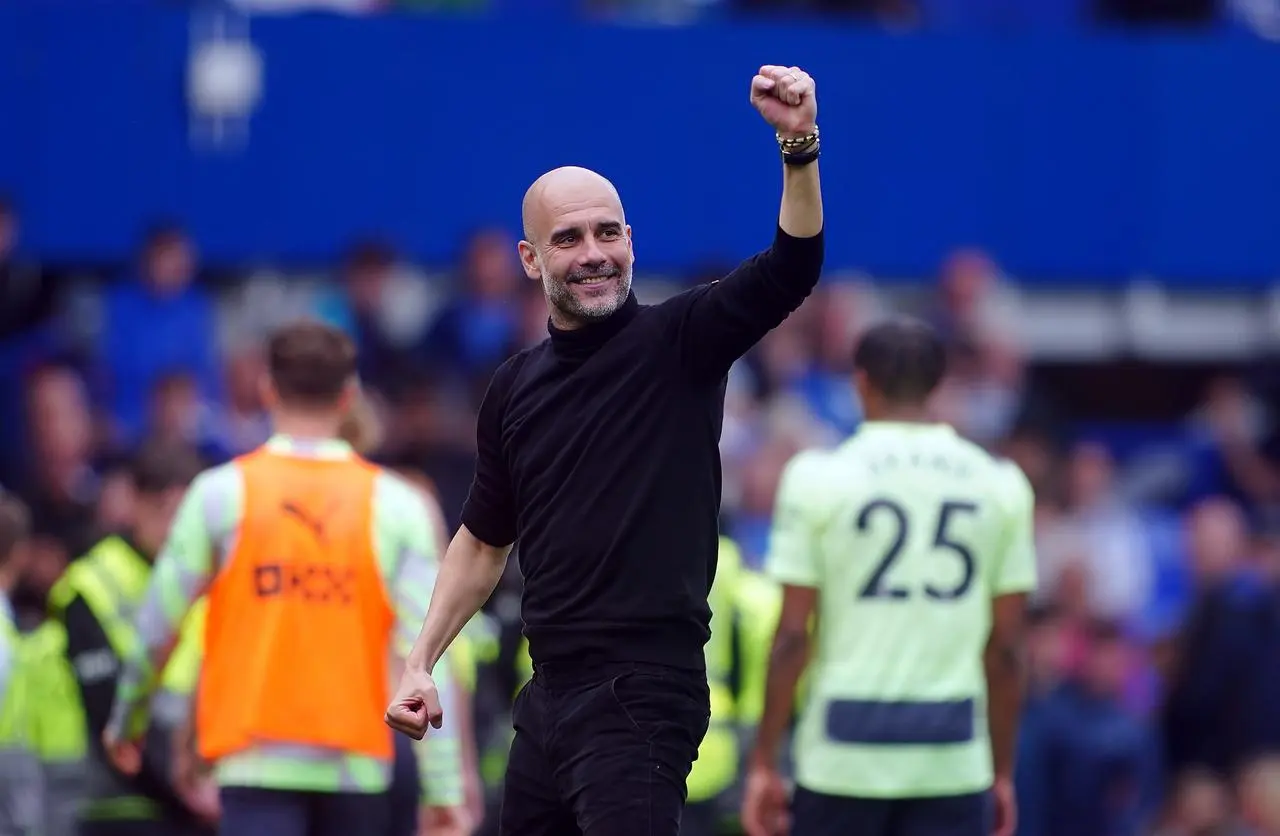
x,y
581,343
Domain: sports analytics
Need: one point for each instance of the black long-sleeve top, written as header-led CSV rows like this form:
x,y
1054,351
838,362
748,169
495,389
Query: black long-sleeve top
x,y
97,669
598,450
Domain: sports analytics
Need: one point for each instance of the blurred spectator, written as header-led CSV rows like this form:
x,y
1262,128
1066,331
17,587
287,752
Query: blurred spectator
x,y
1259,790
116,500
474,331
384,308
532,328
27,298
61,484
973,306
1239,446
1225,681
1092,766
432,430
1200,805
158,325
243,423
177,415
759,481
841,312
1034,450
1098,541
28,304
58,482
983,392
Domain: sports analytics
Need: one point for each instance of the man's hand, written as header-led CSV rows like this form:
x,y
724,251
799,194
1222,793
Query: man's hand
x,y
416,705
445,821
764,803
201,798
193,778
1006,808
786,98
473,788
125,755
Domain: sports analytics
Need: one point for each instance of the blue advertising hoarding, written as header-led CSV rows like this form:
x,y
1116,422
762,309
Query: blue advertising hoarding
x,y
1071,157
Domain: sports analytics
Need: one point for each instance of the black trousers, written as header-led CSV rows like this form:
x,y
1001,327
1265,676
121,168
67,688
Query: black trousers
x,y
603,751
814,814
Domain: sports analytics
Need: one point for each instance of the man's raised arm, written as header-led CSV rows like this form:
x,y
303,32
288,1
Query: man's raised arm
x,y
725,319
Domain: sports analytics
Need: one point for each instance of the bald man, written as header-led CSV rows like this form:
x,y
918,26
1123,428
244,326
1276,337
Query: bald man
x,y
597,451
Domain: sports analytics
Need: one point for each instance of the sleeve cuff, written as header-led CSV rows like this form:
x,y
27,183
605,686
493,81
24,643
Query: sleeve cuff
x,y
484,530
800,253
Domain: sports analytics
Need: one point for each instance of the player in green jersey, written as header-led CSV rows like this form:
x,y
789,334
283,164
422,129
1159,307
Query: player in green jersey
x,y
909,553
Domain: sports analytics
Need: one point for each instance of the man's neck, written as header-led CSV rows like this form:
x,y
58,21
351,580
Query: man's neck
x,y
316,427
902,415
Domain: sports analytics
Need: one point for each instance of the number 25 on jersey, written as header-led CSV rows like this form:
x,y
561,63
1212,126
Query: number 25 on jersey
x,y
889,512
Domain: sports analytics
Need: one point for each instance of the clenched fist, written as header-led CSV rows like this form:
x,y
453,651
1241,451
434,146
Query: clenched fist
x,y
415,706
787,99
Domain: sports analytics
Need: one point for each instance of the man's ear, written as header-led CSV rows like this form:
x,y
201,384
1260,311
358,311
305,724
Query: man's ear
x,y
267,392
529,260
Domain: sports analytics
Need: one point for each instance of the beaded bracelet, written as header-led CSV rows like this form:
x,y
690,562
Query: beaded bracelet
x,y
795,143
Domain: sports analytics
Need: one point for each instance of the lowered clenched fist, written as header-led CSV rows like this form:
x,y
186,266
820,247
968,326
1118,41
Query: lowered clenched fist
x,y
786,98
416,705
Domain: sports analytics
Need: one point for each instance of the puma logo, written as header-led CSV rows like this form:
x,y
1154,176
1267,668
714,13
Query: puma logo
x,y
300,514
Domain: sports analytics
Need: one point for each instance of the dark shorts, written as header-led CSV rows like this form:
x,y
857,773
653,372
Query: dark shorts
x,y
135,827
249,811
140,827
603,751
814,814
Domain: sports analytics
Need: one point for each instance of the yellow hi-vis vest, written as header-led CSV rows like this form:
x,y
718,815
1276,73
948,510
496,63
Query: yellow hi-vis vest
x,y
20,792
112,579
717,765
58,729
758,605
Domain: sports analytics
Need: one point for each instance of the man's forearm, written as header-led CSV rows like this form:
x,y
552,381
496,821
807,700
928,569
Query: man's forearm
x,y
1006,681
801,212
468,575
786,665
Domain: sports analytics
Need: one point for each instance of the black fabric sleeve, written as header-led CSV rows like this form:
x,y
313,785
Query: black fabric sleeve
x,y
723,320
97,669
489,512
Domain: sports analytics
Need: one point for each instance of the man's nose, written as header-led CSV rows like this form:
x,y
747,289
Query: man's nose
x,y
592,255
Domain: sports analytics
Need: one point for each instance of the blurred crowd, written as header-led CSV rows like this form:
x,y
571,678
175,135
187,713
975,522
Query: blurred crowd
x,y
1155,693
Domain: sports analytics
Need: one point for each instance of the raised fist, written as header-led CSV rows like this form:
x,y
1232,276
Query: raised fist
x,y
786,98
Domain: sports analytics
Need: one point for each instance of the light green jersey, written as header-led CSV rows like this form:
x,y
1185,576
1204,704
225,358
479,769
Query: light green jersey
x,y
909,532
